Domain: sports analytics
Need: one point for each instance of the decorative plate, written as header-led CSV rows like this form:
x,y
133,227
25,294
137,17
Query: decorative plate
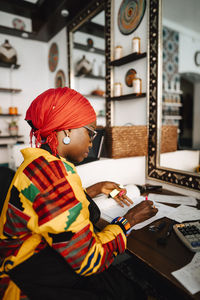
x,y
129,77
53,57
18,24
130,15
60,79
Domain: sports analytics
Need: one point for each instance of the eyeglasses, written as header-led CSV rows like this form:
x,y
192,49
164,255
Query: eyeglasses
x,y
92,133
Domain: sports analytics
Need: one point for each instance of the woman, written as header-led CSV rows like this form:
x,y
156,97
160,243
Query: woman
x,y
48,246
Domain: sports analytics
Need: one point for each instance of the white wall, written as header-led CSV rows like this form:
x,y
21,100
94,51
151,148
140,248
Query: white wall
x,y
33,77
136,113
61,40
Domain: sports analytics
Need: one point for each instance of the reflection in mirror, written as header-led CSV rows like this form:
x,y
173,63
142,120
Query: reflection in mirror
x,y
174,88
181,81
88,62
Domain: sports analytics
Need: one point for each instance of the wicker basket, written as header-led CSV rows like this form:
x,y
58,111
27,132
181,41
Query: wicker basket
x,y
126,141
169,138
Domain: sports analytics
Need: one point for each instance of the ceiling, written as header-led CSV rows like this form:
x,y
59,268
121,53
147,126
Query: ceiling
x,y
45,16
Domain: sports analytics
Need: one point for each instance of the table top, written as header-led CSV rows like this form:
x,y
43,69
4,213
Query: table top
x,y
160,260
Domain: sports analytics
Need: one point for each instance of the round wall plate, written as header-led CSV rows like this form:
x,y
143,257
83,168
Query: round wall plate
x,y
130,15
53,57
129,77
18,24
60,79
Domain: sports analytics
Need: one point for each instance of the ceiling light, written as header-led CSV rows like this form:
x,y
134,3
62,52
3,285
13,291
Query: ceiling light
x,y
64,13
24,35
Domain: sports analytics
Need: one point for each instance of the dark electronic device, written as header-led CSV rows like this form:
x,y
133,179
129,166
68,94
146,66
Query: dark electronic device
x,y
148,188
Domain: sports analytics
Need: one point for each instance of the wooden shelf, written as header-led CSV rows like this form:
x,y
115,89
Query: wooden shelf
x,y
9,65
90,76
10,136
172,104
91,95
127,97
9,115
8,90
126,59
171,117
173,92
87,49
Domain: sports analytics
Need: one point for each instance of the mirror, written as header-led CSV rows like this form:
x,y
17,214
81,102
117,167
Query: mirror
x,y
174,82
87,59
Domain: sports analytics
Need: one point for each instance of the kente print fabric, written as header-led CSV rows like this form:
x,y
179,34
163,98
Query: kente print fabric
x,y
46,204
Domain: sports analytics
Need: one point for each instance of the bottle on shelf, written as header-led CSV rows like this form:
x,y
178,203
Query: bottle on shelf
x,y
136,45
137,85
118,52
117,89
95,70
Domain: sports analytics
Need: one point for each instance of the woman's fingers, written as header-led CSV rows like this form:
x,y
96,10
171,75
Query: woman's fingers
x,y
123,199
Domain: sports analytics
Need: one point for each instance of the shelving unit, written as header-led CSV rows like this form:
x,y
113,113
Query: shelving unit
x,y
127,97
122,61
10,136
8,90
128,58
9,115
87,49
171,104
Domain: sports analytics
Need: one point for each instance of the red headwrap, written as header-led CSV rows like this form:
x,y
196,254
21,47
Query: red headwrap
x,y
56,110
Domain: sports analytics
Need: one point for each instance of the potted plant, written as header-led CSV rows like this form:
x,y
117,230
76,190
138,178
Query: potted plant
x,y
13,128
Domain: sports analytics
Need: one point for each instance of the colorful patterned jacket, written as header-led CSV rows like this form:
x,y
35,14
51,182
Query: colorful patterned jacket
x,y
46,204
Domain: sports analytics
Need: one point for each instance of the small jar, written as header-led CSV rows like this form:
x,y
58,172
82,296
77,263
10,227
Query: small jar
x,y
11,110
137,85
16,110
136,45
118,52
117,89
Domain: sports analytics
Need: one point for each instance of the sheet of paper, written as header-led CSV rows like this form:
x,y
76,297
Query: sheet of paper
x,y
173,199
163,210
185,213
110,209
189,276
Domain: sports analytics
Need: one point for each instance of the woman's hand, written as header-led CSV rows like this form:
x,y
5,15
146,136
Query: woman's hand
x,y
106,187
141,212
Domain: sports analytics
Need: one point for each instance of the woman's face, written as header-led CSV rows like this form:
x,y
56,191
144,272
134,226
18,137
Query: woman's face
x,y
80,143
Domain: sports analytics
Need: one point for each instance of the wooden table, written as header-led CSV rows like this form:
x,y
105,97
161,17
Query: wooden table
x,y
155,262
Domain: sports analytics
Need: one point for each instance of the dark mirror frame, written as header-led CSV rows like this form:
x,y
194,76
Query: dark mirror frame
x,y
91,10
154,171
